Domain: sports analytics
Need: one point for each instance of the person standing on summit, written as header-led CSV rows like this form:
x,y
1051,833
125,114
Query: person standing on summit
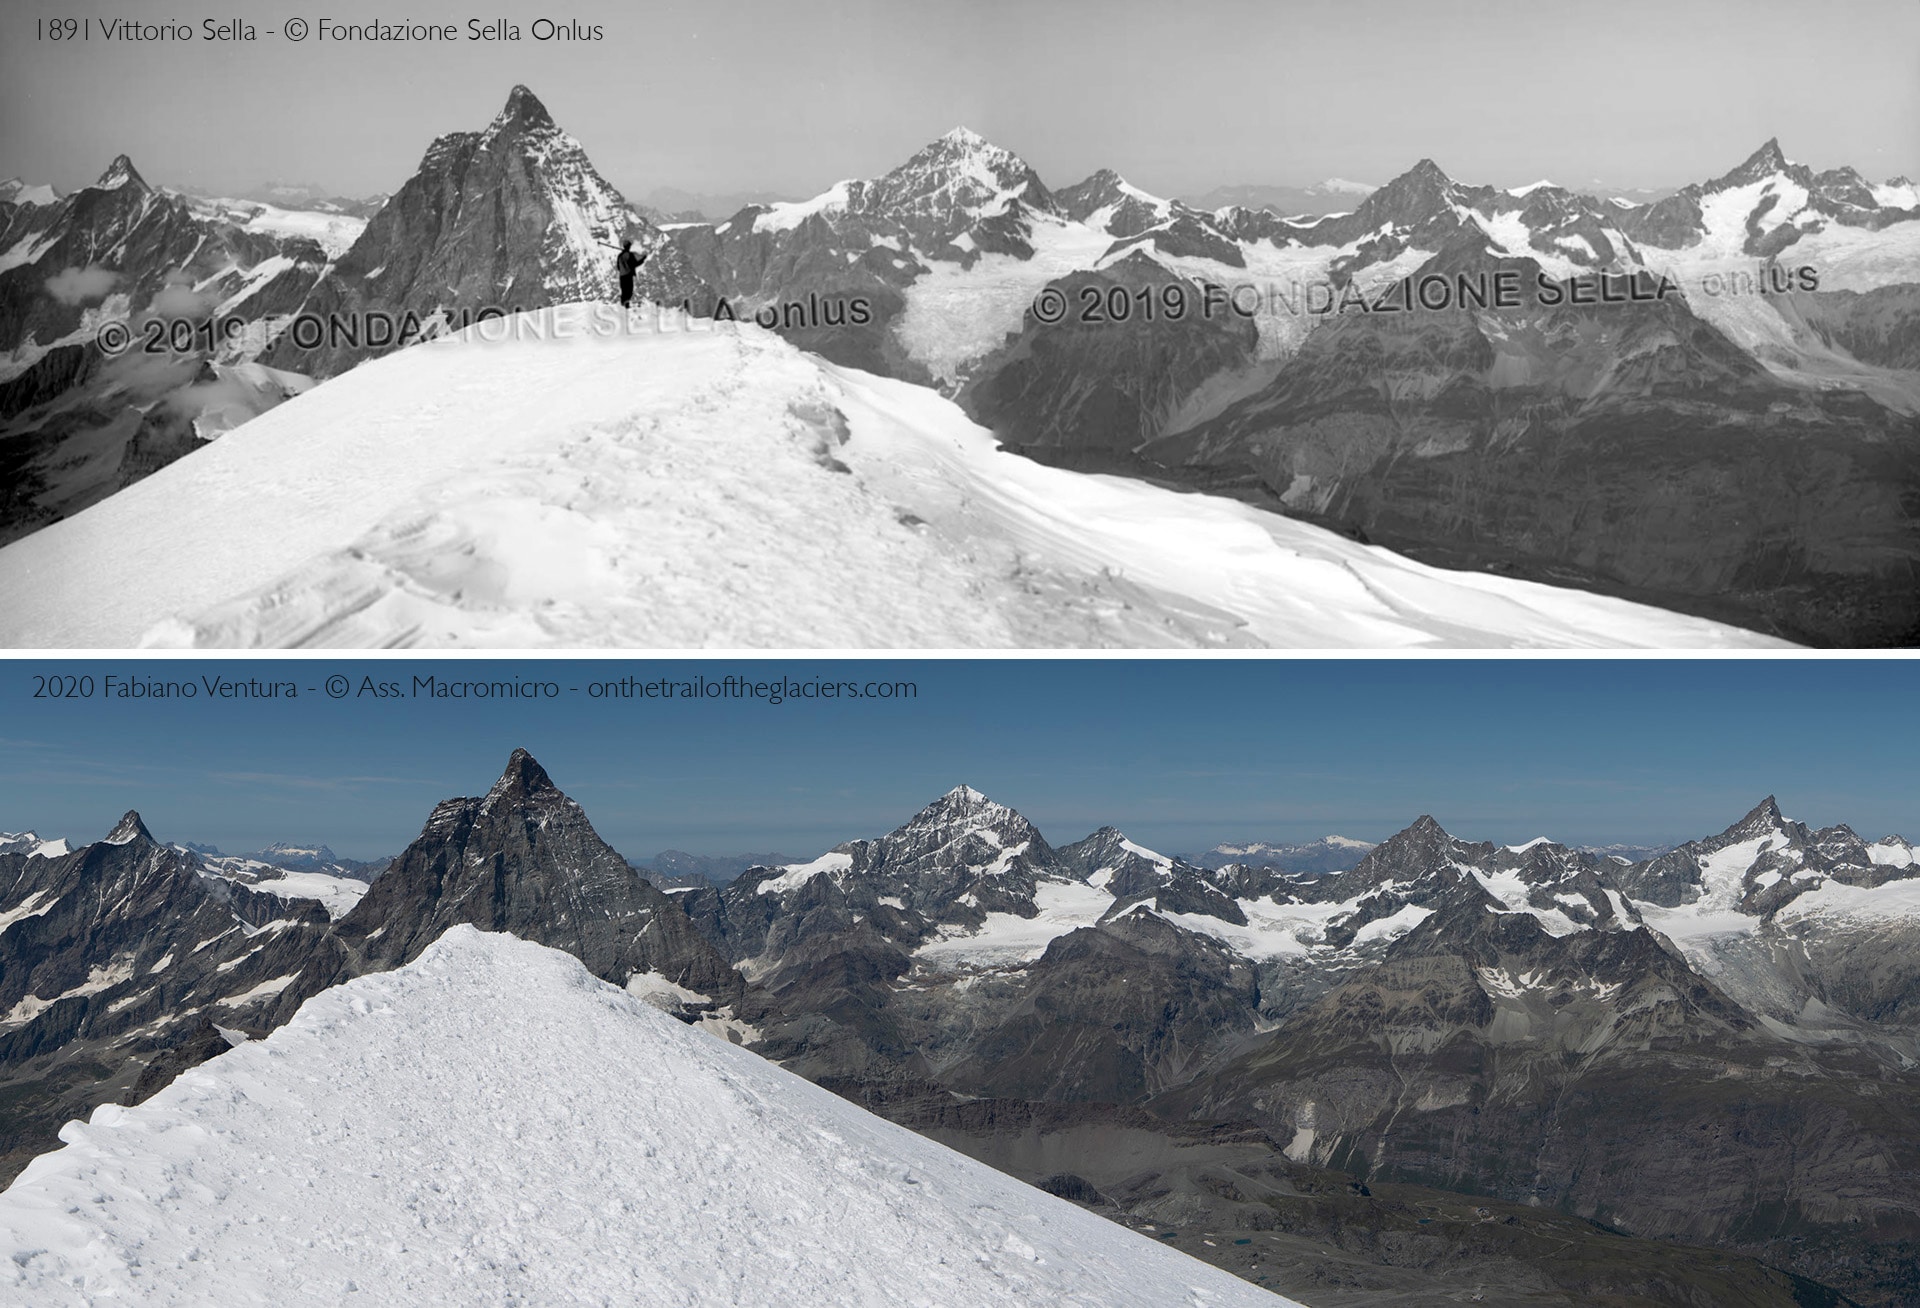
x,y
627,263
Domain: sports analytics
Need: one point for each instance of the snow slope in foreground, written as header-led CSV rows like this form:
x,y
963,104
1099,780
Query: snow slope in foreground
x,y
717,488
491,1124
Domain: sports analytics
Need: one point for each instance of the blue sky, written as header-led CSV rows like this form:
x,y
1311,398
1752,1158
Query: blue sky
x,y
792,95
1179,754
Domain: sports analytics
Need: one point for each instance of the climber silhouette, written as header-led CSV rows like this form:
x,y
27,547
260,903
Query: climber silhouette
x,y
627,264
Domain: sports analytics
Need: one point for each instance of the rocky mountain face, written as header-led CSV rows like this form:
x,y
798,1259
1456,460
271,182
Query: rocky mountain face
x,y
78,423
513,217
849,255
524,859
118,952
1230,1195
1091,389
1725,424
1445,1015
113,958
1597,444
1450,1055
1108,202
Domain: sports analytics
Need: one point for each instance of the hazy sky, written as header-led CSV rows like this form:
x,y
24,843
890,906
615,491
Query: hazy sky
x,y
790,95
1180,755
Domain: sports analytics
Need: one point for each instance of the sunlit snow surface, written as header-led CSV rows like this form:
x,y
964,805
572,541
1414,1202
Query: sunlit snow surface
x,y
714,488
492,1125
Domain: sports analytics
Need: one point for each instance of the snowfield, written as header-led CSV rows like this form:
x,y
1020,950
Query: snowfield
x,y
492,1125
337,895
674,488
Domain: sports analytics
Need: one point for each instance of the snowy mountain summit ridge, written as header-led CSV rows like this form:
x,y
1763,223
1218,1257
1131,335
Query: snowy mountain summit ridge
x,y
646,1155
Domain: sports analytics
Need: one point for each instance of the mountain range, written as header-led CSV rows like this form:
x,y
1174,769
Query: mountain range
x,y
1459,1058
1734,437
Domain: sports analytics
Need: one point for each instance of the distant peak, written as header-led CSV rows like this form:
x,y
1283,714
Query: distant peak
x,y
963,143
1764,816
523,112
129,829
121,172
1764,162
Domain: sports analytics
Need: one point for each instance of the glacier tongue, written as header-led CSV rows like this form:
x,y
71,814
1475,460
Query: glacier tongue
x,y
490,1124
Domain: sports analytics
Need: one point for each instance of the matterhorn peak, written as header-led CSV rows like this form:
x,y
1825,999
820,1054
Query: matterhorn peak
x,y
121,172
523,779
523,113
128,830
964,137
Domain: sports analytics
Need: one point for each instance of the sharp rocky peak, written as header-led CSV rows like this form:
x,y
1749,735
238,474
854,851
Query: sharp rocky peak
x,y
965,799
961,810
1424,173
523,113
523,779
965,149
128,830
1763,817
1762,163
121,172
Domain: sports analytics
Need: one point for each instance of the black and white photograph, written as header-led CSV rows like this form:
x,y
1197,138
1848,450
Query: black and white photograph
x,y
985,326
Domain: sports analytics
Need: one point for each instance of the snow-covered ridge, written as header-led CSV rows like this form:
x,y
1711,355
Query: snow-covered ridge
x,y
334,232
796,875
336,894
354,1152
26,842
542,483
